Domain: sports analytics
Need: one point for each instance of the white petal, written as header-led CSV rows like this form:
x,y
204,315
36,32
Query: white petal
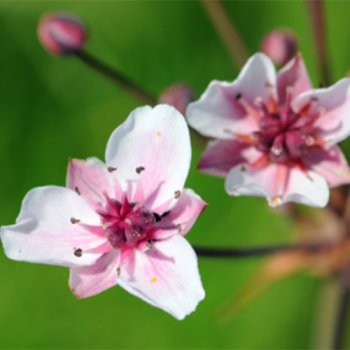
x,y
86,281
166,276
151,147
44,233
279,184
334,123
218,114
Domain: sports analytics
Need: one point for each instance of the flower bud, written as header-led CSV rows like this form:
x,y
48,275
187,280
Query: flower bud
x,y
178,96
280,45
61,34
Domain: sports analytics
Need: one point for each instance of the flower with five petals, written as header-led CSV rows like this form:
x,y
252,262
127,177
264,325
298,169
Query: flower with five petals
x,y
121,222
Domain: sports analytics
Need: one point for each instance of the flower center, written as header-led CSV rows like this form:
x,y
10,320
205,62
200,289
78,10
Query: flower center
x,y
126,224
284,134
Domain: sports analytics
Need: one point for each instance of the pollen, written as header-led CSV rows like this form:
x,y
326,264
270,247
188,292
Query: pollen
x,y
153,279
276,201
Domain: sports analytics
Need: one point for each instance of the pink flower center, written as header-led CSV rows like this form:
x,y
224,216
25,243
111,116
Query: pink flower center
x,y
126,224
284,135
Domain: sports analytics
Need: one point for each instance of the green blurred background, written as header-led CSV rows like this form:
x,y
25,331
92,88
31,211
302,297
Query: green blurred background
x,y
53,108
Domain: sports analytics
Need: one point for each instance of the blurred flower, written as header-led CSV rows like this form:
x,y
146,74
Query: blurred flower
x,y
275,136
178,96
61,34
123,222
280,45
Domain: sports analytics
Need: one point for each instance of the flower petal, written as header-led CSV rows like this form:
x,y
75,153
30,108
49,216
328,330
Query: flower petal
x,y
152,147
219,112
92,180
333,104
87,281
331,164
221,156
294,75
46,230
165,276
182,216
279,184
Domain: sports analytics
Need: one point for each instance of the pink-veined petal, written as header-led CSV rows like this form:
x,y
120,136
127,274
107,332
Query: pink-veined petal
x,y
46,230
221,156
165,276
280,184
293,75
219,113
152,147
333,104
92,180
87,281
329,163
182,216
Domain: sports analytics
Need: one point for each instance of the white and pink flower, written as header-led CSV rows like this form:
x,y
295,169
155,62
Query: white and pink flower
x,y
122,222
275,136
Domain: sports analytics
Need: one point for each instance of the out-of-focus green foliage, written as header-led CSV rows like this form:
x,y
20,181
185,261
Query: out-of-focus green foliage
x,y
54,108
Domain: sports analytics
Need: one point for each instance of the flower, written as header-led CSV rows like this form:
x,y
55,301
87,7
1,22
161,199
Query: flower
x,y
178,96
123,222
280,45
61,34
275,135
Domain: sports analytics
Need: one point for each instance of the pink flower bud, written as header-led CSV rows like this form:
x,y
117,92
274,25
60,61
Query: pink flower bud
x,y
61,34
280,45
178,96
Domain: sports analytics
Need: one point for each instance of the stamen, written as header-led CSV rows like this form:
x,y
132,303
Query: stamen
x,y
76,189
78,252
153,279
74,220
111,169
250,110
140,169
177,194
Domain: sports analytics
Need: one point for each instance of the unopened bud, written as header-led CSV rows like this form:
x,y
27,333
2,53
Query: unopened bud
x,y
280,45
178,96
61,34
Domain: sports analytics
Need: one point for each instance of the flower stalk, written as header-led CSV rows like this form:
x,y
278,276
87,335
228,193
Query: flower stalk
x,y
317,20
226,30
128,85
245,252
342,310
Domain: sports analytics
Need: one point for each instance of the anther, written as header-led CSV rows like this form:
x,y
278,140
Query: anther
x,y
179,228
111,169
140,169
76,189
118,271
78,252
238,96
177,194
74,220
157,217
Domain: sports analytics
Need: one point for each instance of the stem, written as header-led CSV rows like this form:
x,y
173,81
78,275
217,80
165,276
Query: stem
x,y
319,32
343,304
117,77
257,251
226,30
